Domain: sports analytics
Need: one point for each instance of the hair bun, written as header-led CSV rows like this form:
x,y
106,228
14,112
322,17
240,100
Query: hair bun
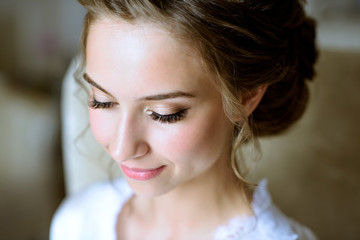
x,y
304,42
285,101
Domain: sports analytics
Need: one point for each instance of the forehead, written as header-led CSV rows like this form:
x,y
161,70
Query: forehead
x,y
142,53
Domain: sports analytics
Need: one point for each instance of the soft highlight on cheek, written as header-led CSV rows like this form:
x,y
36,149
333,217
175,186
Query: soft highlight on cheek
x,y
200,138
101,127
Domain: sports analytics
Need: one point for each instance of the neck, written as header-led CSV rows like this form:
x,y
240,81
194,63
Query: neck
x,y
208,201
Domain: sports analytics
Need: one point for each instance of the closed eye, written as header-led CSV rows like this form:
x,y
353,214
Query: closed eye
x,y
169,118
94,104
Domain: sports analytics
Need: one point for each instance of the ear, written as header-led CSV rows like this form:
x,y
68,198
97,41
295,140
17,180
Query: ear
x,y
251,100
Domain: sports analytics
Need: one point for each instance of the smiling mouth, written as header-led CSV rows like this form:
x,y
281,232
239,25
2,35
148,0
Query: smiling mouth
x,y
141,174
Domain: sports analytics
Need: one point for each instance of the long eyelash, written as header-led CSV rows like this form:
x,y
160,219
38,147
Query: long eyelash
x,y
93,103
169,118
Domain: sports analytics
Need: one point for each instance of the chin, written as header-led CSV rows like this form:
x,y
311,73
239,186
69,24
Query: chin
x,y
148,189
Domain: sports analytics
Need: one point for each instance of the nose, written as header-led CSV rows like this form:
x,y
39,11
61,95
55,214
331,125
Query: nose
x,y
128,141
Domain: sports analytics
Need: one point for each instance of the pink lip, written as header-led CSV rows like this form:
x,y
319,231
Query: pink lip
x,y
141,174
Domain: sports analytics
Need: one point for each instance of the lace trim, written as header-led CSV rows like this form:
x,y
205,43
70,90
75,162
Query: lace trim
x,y
267,223
235,228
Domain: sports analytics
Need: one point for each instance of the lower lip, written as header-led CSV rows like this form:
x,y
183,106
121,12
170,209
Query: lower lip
x,y
141,174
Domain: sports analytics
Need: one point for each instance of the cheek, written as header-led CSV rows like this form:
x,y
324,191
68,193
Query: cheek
x,y
100,126
203,139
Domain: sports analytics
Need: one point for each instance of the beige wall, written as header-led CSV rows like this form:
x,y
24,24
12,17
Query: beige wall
x,y
30,166
37,40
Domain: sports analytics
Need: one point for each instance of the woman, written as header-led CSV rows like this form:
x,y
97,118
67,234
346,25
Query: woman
x,y
177,88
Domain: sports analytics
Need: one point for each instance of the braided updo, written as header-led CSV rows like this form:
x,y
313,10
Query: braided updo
x,y
245,43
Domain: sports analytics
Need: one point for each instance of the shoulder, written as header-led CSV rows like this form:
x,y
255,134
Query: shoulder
x,y
90,212
272,223
268,222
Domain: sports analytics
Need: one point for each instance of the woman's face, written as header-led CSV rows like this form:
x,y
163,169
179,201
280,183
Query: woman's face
x,y
153,107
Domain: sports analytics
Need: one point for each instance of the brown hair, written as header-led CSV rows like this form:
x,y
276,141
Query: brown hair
x,y
245,43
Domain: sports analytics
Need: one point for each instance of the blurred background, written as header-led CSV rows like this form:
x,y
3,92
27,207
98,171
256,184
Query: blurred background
x,y
319,160
38,38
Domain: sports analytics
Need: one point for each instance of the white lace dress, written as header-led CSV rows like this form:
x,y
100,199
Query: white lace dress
x,y
92,215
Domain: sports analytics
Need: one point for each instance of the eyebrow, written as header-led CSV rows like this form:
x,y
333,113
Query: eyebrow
x,y
94,84
157,97
166,96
